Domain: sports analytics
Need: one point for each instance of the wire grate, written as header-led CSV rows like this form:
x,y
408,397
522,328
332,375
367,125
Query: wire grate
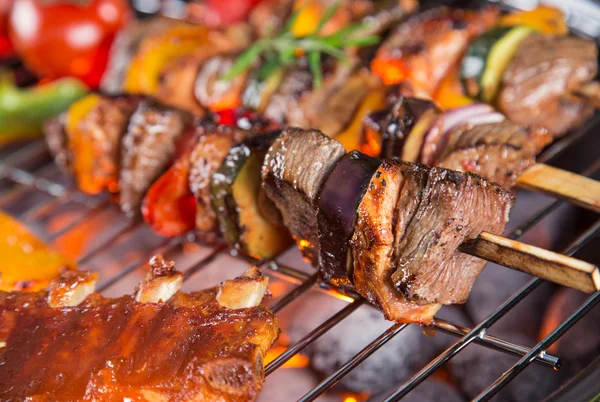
x,y
29,167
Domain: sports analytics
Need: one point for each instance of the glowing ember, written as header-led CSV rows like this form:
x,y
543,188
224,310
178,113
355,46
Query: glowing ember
x,y
297,361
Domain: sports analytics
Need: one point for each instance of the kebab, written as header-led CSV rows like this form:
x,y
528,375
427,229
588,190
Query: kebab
x,y
527,66
158,344
311,180
477,139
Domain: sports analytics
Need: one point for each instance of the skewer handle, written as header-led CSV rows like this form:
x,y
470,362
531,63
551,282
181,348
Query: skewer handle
x,y
560,183
555,267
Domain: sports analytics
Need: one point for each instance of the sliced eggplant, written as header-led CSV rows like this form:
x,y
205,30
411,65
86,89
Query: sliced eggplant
x,y
338,201
398,124
235,196
487,58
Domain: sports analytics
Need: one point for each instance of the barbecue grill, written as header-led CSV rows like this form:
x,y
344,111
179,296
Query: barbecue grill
x,y
91,229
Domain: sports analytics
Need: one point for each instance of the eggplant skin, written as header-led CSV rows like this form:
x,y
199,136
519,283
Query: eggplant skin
x,y
293,173
338,201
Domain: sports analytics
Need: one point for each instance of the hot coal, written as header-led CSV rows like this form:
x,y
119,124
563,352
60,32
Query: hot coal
x,y
431,390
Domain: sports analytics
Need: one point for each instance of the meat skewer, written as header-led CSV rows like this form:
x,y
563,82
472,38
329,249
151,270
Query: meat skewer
x,y
214,165
476,139
70,343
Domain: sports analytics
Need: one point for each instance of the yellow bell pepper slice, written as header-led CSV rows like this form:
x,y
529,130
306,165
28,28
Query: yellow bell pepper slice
x,y
27,263
546,19
157,51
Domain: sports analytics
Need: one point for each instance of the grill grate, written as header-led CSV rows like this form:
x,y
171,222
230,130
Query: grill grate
x,y
29,168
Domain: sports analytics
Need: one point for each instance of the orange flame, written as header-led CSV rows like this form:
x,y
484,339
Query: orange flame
x,y
296,361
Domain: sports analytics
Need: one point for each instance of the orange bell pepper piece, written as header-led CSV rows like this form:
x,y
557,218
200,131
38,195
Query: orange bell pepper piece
x,y
546,19
27,263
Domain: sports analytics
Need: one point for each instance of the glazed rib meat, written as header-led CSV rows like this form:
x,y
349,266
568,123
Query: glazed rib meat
x,y
500,152
537,85
294,170
158,345
148,148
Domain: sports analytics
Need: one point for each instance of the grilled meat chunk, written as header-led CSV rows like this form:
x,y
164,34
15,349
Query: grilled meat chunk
x,y
537,84
58,142
294,170
148,147
438,210
190,347
373,245
95,141
499,152
430,43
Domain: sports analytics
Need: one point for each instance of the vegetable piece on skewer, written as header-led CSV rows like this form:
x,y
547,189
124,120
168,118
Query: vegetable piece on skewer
x,y
487,58
246,218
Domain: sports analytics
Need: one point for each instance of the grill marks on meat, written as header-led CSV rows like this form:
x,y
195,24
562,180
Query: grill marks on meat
x,y
373,243
206,157
500,152
148,148
187,348
537,85
438,210
294,170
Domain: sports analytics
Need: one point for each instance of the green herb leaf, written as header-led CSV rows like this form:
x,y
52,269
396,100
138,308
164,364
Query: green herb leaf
x,y
245,60
314,44
314,62
291,20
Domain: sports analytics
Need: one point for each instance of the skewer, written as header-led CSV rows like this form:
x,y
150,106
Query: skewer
x,y
559,183
545,264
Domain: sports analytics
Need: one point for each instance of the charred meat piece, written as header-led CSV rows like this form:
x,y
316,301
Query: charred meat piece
x,y
95,127
500,152
58,142
160,344
293,173
148,148
177,83
537,85
438,210
429,44
373,245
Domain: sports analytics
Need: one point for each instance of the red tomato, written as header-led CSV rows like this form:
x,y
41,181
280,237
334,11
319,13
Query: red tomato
x,y
59,38
5,46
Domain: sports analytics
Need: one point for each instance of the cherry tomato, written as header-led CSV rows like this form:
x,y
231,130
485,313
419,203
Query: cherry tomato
x,y
60,38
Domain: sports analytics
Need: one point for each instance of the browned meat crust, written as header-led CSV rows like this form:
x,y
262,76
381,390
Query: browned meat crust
x,y
438,210
294,170
372,248
499,152
537,84
188,348
148,148
58,142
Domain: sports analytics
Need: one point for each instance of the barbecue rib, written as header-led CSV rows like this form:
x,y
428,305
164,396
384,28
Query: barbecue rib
x,y
72,344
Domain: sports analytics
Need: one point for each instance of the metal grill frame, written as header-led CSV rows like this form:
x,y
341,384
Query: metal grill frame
x,y
11,169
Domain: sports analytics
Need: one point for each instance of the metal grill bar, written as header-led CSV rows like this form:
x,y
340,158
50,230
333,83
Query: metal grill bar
x,y
347,367
313,336
481,328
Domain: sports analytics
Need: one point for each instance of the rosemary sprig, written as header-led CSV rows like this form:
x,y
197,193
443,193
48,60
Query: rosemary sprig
x,y
285,49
